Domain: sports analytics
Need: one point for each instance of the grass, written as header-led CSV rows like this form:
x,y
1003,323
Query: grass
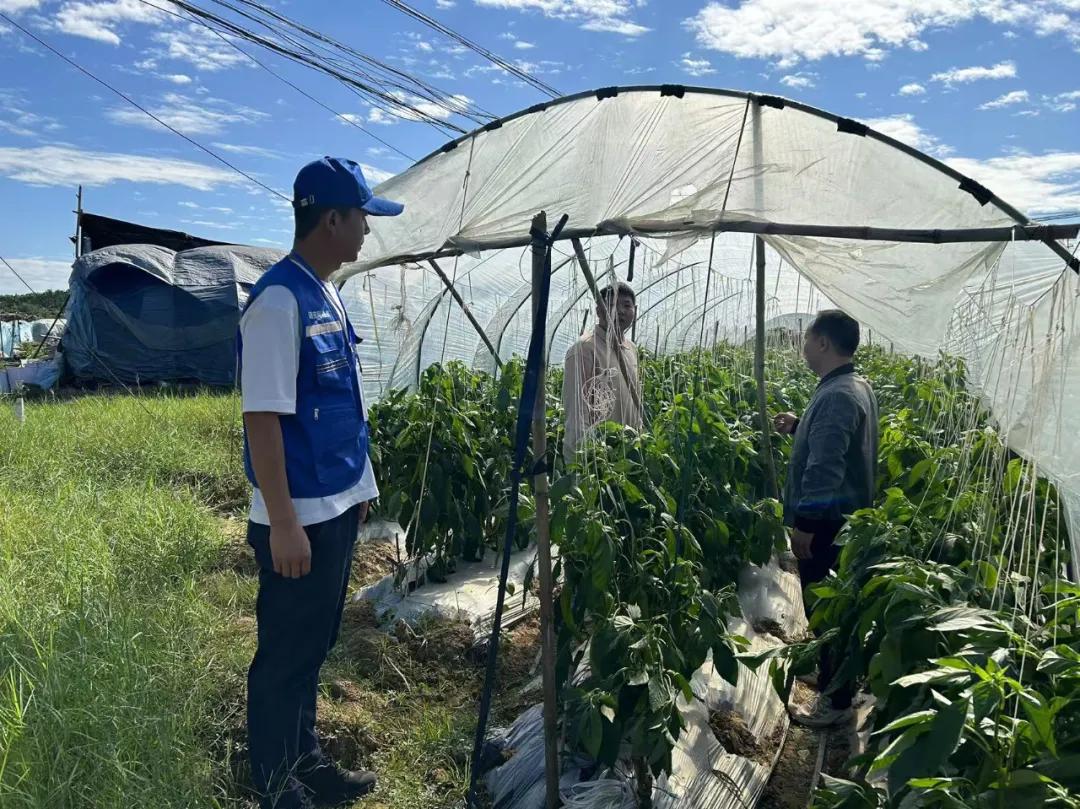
x,y
126,624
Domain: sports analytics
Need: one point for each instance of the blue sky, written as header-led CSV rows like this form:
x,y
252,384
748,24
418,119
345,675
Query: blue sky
x,y
992,86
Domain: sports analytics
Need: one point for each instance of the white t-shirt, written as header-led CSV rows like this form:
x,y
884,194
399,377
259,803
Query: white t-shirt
x,y
270,329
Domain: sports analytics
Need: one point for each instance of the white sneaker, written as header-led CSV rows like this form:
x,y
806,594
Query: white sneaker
x,y
820,714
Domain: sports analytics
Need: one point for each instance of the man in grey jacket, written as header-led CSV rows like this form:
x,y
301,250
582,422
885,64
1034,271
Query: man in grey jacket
x,y
832,473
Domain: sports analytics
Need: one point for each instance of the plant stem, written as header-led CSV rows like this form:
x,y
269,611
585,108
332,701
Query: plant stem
x,y
644,778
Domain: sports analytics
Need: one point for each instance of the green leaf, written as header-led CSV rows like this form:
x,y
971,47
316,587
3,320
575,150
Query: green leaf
x,y
725,663
593,733
920,718
1042,720
933,748
956,619
659,694
684,686
932,676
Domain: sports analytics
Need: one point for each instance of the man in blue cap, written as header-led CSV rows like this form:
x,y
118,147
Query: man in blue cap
x,y
306,454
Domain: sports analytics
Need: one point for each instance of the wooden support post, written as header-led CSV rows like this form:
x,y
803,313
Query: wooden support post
x,y
78,224
759,369
465,308
631,385
543,539
629,279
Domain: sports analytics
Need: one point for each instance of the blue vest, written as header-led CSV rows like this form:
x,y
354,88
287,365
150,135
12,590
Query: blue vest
x,y
326,440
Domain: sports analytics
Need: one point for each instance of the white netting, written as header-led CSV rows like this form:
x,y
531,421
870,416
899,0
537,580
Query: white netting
x,y
646,161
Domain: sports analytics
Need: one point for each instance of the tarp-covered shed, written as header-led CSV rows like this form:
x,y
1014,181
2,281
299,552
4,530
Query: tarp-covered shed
x,y
143,313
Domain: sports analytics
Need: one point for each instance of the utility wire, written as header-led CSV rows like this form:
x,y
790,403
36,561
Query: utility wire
x,y
344,118
434,24
390,94
142,109
13,270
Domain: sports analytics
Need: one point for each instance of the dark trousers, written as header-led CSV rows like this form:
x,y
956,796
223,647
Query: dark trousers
x,y
824,556
298,622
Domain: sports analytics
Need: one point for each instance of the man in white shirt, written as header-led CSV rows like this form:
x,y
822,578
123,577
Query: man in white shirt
x,y
594,388
306,454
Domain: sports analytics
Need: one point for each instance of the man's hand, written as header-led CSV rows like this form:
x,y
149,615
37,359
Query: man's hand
x,y
365,509
290,550
785,423
801,544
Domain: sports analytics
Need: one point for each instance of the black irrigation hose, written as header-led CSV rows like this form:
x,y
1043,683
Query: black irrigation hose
x,y
523,433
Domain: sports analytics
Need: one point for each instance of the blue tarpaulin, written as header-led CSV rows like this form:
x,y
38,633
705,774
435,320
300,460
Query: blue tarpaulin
x,y
142,313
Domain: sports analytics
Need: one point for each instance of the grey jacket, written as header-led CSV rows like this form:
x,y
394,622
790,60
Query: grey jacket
x,y
833,465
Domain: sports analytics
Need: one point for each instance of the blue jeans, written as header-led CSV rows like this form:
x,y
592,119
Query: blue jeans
x,y
298,622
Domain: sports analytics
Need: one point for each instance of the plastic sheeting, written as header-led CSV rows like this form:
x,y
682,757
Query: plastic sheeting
x,y
140,313
13,334
468,596
645,161
679,163
704,775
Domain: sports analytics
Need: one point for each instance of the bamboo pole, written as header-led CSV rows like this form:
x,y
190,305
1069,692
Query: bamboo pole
x,y
540,265
759,368
465,308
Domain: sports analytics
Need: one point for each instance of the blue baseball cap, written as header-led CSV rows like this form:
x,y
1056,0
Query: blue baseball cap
x,y
334,182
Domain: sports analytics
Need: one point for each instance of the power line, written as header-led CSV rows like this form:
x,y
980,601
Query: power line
x,y
435,94
338,61
345,118
434,24
15,272
142,109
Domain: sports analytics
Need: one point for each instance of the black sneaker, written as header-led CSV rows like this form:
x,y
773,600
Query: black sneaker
x,y
332,786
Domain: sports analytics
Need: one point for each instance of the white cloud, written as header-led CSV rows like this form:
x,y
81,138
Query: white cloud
x,y
1007,100
65,166
177,78
188,204
375,175
794,30
904,129
1038,184
444,4
199,48
100,20
522,45
613,25
964,75
39,273
15,6
912,90
611,16
798,81
860,95
415,109
252,151
695,67
1045,183
1063,102
187,115
16,119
